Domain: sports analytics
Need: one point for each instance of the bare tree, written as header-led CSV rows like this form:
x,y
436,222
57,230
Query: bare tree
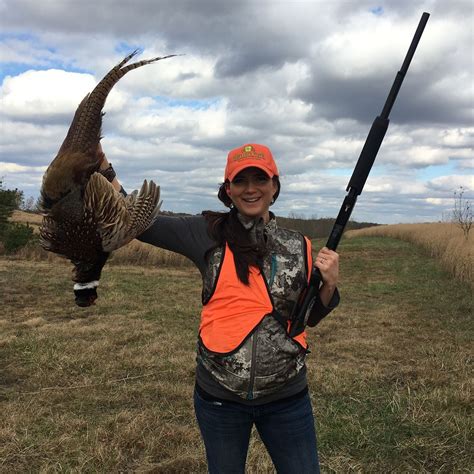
x,y
462,212
29,204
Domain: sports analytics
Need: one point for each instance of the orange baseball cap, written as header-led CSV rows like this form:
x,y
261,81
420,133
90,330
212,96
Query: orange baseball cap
x,y
250,155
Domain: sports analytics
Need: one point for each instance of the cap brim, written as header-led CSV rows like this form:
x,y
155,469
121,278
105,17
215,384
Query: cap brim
x,y
245,166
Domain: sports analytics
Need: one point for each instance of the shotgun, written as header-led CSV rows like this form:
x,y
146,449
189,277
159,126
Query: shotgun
x,y
355,186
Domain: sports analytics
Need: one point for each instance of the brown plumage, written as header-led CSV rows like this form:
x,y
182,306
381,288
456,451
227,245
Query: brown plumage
x,y
84,217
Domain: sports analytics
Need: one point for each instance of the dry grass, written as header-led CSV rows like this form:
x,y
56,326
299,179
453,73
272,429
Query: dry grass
x,y
135,253
138,253
444,241
109,388
26,218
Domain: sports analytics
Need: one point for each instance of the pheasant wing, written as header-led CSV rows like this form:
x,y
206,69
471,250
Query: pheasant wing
x,y
119,220
108,210
143,208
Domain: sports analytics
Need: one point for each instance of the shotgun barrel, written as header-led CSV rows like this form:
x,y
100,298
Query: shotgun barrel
x,y
356,185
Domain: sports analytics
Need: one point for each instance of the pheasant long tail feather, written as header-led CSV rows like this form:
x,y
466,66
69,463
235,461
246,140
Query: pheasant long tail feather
x,y
84,132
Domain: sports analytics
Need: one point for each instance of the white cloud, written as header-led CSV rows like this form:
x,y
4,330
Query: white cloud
x,y
440,201
458,137
451,183
366,42
14,50
306,78
34,94
6,168
426,156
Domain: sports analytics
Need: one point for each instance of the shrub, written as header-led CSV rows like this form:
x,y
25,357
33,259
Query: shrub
x,y
16,236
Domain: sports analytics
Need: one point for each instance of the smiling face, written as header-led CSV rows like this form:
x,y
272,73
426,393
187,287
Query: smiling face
x,y
252,192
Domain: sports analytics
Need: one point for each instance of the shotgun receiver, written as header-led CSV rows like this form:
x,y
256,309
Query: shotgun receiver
x,y
355,186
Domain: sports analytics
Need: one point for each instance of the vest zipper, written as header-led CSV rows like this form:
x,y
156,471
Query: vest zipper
x,y
252,364
254,335
273,270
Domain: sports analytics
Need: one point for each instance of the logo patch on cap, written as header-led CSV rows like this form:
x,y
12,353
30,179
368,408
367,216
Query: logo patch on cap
x,y
248,155
248,151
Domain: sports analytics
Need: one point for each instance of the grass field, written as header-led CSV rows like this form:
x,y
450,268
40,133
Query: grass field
x,y
443,240
109,389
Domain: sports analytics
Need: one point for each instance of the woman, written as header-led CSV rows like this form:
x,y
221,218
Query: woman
x,y
249,371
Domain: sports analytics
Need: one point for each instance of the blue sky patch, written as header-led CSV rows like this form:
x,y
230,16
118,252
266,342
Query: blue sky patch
x,y
15,69
125,48
378,11
197,104
340,171
435,171
27,37
43,56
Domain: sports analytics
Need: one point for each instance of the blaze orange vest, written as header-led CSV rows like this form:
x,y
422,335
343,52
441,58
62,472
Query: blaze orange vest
x,y
235,309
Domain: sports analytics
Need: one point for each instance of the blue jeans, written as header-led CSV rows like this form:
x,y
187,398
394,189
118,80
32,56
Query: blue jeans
x,y
286,427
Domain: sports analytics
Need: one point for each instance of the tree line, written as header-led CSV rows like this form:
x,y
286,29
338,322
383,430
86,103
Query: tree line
x,y
317,228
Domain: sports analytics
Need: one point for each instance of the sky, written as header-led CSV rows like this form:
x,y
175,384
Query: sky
x,y
305,78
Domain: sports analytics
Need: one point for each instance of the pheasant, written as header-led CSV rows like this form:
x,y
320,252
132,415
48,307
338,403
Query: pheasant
x,y
84,217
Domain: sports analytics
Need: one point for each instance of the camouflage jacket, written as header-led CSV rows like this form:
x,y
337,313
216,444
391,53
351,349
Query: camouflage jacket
x,y
267,358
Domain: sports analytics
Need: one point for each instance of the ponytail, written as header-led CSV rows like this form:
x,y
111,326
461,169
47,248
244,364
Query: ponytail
x,y
226,227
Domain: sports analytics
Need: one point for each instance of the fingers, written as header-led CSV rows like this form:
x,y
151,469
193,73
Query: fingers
x,y
327,257
328,263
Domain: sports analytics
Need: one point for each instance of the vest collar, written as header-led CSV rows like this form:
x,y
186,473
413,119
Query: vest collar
x,y
257,228
248,223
